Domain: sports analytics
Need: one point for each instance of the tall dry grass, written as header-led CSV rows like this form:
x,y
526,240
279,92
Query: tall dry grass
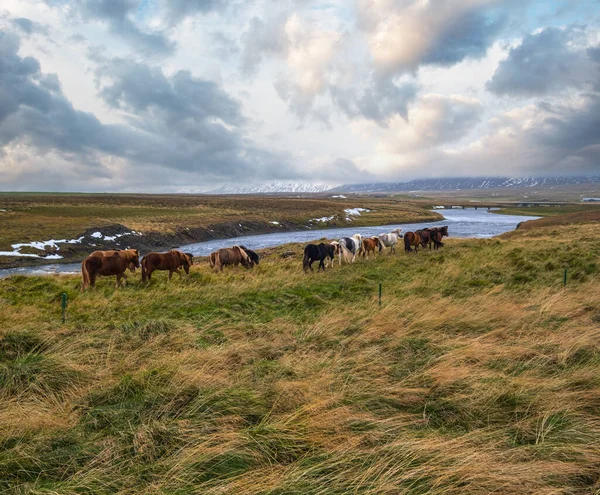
x,y
479,374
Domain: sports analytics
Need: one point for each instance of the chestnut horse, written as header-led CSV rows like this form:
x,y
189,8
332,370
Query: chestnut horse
x,y
106,266
130,255
369,245
230,256
171,261
411,239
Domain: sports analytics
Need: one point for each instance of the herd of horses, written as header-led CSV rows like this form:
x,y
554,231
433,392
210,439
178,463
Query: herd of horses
x,y
116,262
348,248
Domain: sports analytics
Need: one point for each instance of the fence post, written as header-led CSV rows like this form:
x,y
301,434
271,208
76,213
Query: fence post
x,y
380,294
64,305
565,278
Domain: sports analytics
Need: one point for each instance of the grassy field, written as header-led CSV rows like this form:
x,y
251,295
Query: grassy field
x,y
35,217
479,373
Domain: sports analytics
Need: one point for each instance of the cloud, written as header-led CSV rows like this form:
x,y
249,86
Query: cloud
x,y
401,36
379,101
29,27
177,123
548,61
175,11
119,16
537,139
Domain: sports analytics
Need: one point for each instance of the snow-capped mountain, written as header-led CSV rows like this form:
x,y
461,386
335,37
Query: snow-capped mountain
x,y
272,188
465,183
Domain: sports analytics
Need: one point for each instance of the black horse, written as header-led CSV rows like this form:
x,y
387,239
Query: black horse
x,y
251,254
314,252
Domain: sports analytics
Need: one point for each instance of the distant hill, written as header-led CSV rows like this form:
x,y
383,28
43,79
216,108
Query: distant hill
x,y
453,184
272,188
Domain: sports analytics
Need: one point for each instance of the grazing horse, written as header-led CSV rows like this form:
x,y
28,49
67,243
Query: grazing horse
x,y
317,252
107,266
132,256
349,246
231,256
251,254
171,261
390,240
426,239
369,245
411,239
336,250
437,235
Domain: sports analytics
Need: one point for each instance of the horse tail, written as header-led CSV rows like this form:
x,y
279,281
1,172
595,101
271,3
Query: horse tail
x,y
85,275
305,260
407,242
144,268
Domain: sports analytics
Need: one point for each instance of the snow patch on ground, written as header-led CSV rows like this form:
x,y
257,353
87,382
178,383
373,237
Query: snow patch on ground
x,y
42,245
323,219
341,196
274,222
53,245
355,212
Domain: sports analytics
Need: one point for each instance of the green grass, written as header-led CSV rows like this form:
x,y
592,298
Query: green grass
x,y
478,374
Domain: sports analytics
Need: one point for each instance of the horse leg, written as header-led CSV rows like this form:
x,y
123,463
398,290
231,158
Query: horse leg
x,y
118,280
321,264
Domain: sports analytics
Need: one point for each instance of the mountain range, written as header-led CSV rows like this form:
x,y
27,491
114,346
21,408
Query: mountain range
x,y
445,184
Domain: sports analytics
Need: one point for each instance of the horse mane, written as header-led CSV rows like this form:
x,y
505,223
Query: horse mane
x,y
242,252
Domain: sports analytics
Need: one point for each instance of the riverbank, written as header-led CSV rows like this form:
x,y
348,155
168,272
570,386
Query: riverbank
x,y
461,223
61,228
477,374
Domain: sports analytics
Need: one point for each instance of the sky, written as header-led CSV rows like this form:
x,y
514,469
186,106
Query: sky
x,y
190,95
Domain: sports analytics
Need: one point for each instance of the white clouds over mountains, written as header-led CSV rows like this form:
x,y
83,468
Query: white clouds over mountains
x,y
156,94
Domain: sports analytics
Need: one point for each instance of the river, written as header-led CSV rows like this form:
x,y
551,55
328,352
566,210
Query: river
x,y
461,223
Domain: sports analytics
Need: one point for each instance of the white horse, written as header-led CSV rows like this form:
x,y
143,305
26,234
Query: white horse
x,y
390,240
349,246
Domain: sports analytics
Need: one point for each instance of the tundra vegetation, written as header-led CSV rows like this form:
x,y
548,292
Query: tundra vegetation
x,y
27,217
480,373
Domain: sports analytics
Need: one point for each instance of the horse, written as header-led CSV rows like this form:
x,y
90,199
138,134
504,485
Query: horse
x,y
426,239
314,252
437,235
411,239
350,246
389,240
369,245
96,265
251,254
231,256
336,250
130,255
171,261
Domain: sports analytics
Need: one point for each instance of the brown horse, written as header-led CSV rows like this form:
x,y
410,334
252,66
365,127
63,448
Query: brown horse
x,y
437,236
171,261
230,256
132,256
425,237
93,266
411,239
369,245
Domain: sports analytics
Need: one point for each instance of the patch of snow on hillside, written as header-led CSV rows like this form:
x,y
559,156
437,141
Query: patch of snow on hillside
x,y
355,212
323,219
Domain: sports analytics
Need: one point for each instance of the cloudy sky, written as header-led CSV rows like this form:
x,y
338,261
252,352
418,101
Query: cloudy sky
x,y
176,95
